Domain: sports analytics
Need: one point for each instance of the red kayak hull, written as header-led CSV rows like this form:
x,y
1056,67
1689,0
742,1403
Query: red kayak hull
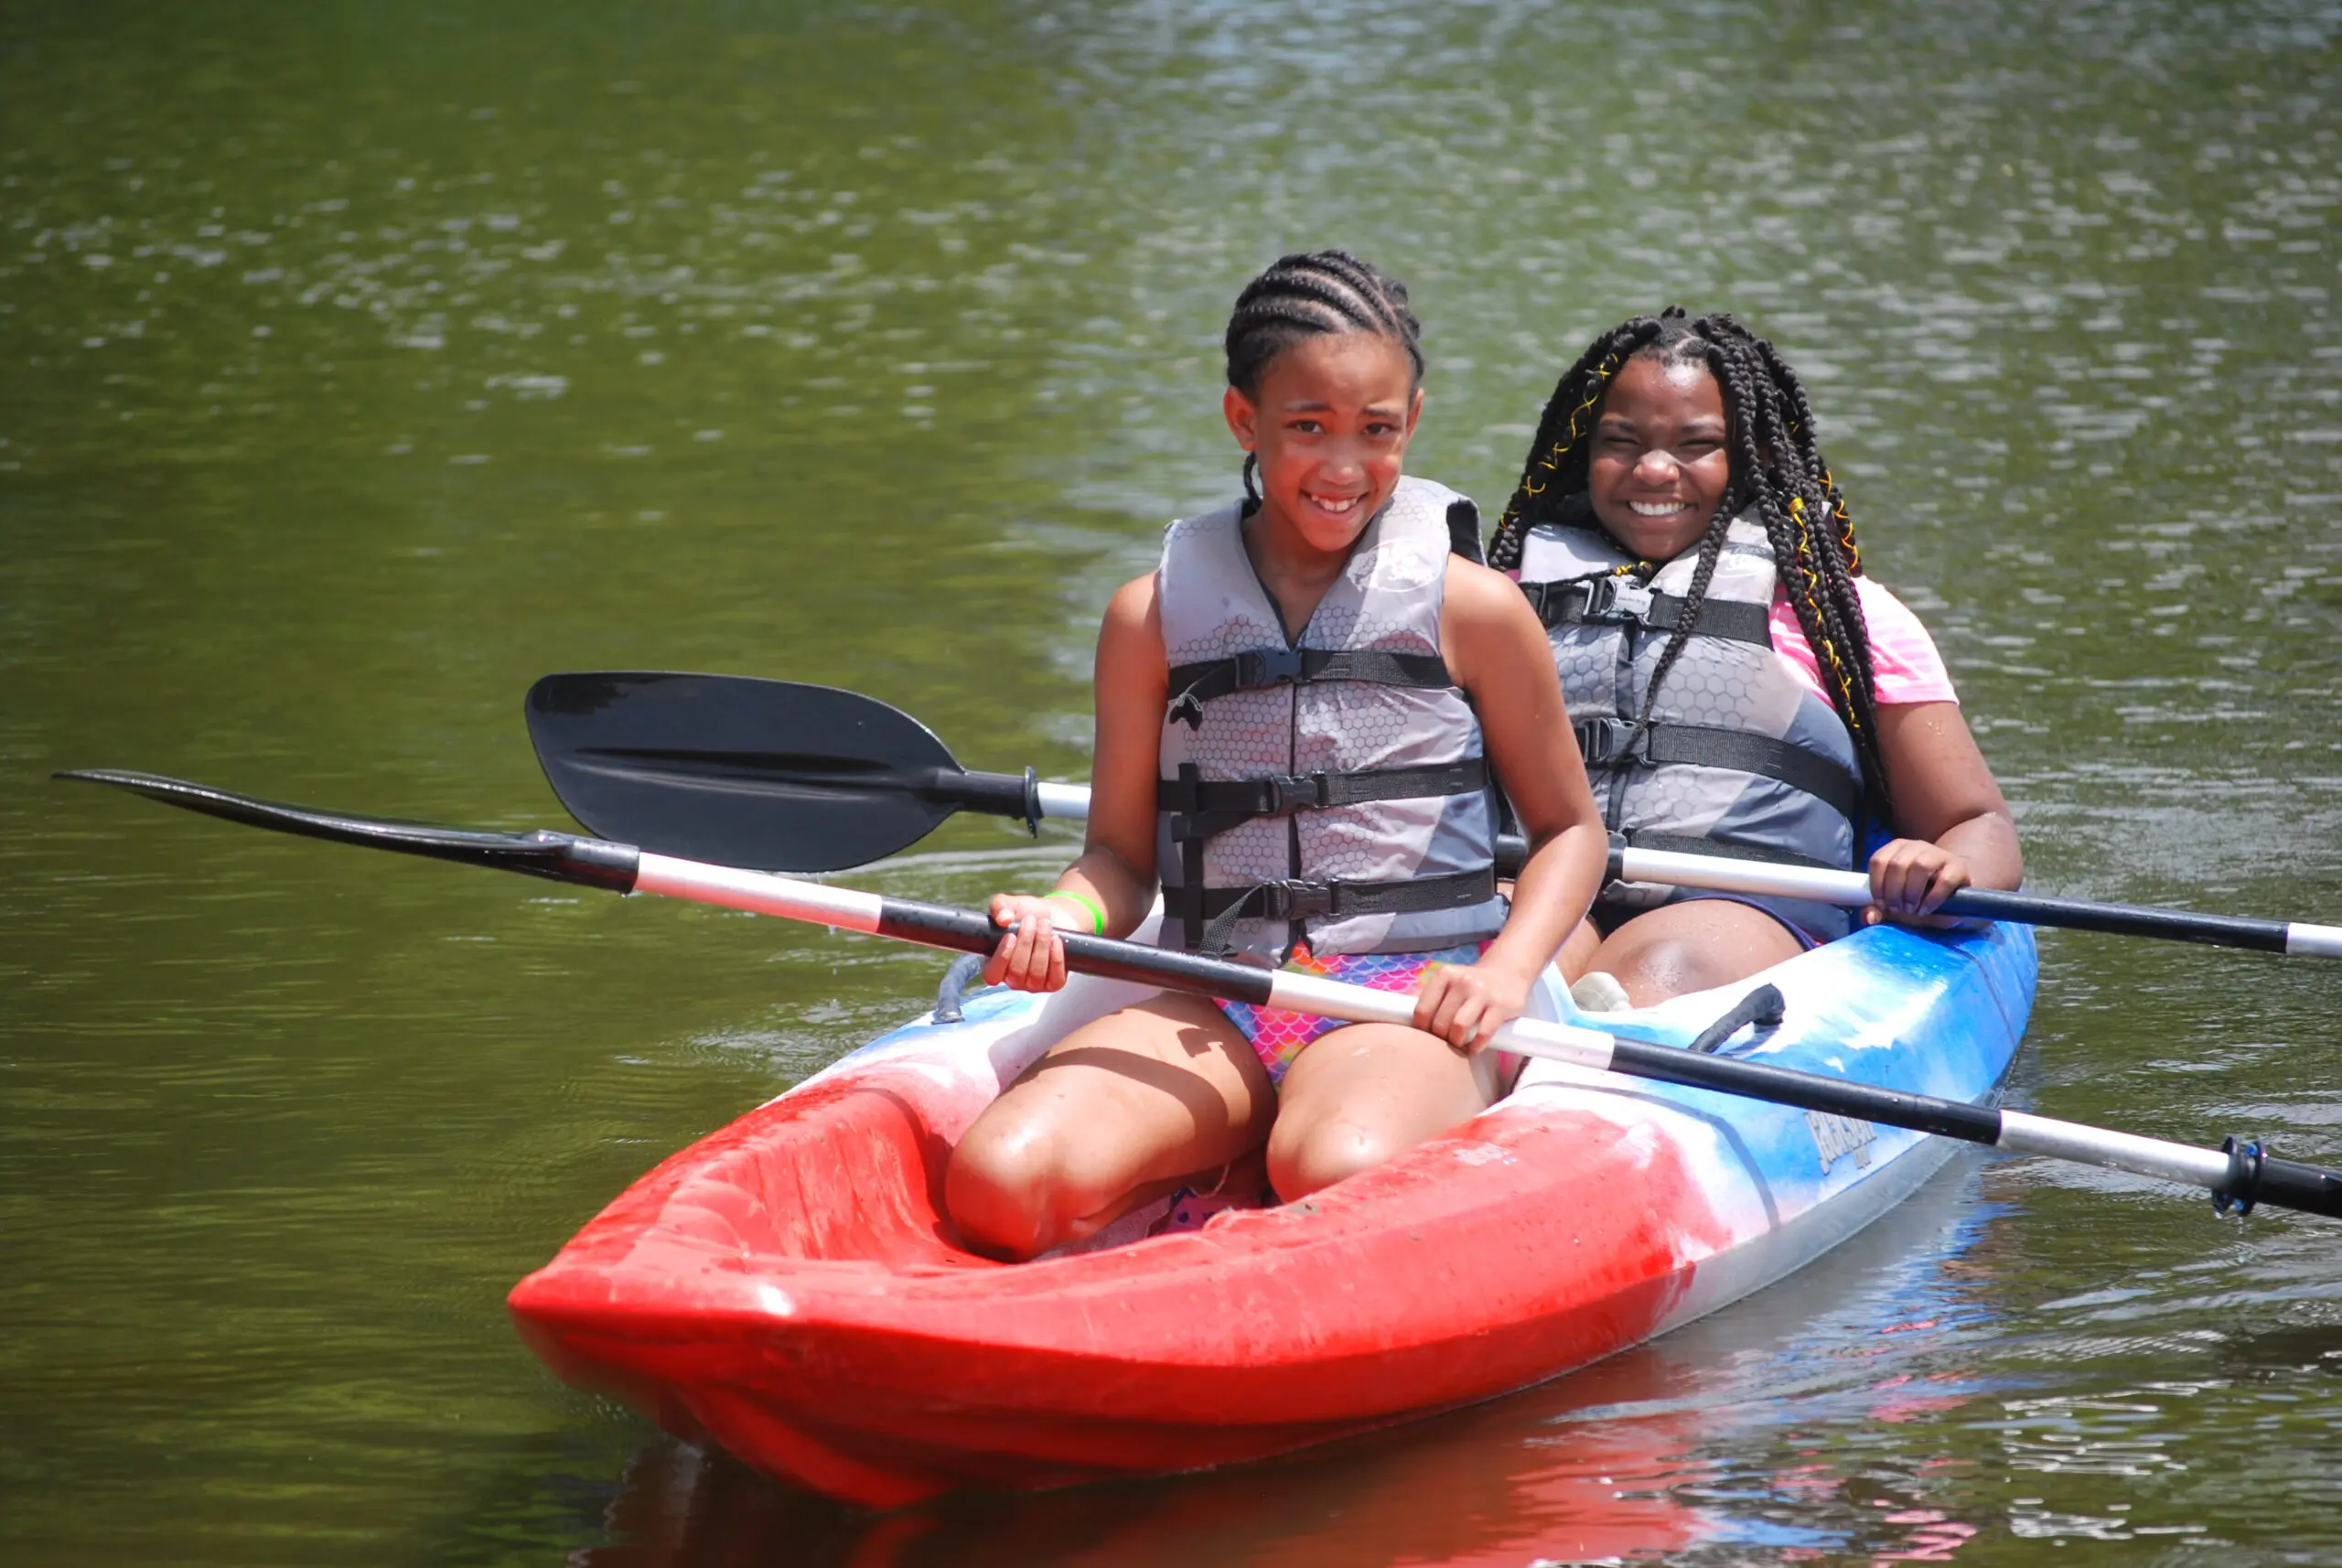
x,y
937,1369
787,1290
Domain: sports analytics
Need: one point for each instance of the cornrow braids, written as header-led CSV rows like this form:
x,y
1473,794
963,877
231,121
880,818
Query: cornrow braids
x,y
1311,294
1777,469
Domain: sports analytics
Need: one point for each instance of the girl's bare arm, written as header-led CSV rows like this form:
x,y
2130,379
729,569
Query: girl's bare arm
x,y
1116,870
1496,651
1955,824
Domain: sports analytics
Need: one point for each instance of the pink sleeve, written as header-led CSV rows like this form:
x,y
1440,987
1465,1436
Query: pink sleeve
x,y
1903,656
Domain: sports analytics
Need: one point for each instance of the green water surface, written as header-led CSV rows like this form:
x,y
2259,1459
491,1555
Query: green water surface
x,y
360,363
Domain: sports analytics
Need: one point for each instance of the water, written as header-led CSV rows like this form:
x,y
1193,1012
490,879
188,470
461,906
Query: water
x,y
363,363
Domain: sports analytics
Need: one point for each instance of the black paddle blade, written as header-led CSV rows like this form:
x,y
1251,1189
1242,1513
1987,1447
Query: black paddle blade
x,y
772,774
557,856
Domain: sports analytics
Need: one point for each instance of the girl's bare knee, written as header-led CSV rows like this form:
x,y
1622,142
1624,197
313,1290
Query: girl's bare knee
x,y
1301,1163
1000,1189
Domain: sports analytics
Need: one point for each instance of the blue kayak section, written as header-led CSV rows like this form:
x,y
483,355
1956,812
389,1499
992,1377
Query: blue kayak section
x,y
1928,1013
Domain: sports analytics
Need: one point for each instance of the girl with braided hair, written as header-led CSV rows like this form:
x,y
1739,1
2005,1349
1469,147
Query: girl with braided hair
x,y
1297,715
1740,686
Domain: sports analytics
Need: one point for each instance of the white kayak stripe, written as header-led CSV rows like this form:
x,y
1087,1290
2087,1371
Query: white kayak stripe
x,y
758,892
2026,1134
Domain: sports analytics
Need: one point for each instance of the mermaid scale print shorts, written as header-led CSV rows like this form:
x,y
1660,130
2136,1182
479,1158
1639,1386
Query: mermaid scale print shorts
x,y
1278,1036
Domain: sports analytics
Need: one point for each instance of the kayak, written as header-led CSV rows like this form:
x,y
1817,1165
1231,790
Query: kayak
x,y
785,1288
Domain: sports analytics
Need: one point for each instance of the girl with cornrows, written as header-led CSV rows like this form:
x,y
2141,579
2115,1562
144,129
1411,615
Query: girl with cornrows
x,y
1738,685
1298,714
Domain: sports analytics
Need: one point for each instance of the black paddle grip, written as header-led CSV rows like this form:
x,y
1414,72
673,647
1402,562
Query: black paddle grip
x,y
2289,1184
995,794
972,931
2256,1177
2119,919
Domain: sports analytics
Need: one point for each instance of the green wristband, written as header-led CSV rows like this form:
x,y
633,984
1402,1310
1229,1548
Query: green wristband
x,y
1096,910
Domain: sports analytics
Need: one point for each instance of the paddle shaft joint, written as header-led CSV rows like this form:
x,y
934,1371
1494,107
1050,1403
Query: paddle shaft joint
x,y
2255,1175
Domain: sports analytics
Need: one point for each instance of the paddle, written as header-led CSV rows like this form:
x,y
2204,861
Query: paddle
x,y
766,773
795,778
2239,1175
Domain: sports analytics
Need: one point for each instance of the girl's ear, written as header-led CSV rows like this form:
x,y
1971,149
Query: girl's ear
x,y
1243,417
1414,410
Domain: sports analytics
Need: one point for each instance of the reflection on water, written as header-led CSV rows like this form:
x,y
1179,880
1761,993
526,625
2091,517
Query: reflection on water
x,y
364,363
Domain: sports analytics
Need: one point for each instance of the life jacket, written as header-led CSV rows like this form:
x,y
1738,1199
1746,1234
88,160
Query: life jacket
x,y
1741,758
1330,787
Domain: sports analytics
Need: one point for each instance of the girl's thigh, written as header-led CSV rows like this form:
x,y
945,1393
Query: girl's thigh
x,y
1692,946
1360,1095
1169,1084
1145,1095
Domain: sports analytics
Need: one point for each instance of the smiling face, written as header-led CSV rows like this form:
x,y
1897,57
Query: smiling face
x,y
1660,461
1330,425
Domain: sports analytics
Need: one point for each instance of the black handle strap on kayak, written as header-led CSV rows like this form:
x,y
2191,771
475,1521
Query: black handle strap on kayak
x,y
952,993
1762,1007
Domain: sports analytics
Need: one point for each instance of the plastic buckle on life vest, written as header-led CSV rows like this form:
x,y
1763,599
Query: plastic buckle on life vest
x,y
1271,667
1611,742
1283,794
1618,600
1294,900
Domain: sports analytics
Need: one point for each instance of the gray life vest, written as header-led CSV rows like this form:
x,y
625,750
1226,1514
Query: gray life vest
x,y
1332,786
1742,758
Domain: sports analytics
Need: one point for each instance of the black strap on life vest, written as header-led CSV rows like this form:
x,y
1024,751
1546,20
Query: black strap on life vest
x,y
1622,601
1617,743
1192,685
1200,808
1724,846
1208,915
